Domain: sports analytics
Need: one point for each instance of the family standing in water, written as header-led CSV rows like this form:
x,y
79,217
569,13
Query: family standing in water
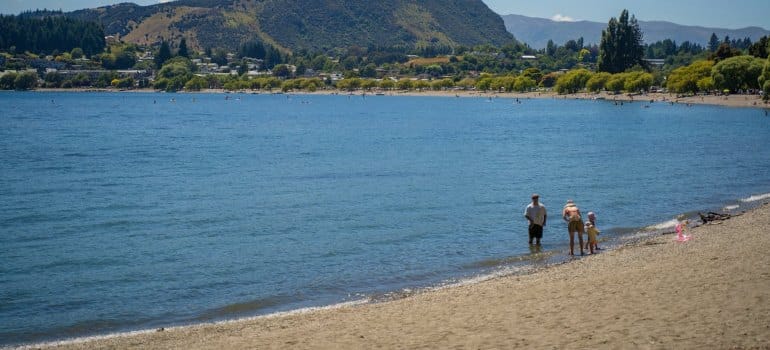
x,y
535,213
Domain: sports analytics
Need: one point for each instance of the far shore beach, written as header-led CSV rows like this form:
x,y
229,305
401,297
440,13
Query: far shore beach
x,y
734,100
712,292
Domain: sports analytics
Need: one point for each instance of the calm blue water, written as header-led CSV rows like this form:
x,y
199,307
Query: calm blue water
x,y
132,211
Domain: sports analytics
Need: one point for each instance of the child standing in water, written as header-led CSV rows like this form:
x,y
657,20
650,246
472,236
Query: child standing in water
x,y
592,232
592,221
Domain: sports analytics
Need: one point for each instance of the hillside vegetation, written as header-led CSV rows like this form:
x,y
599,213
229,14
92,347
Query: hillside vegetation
x,y
305,25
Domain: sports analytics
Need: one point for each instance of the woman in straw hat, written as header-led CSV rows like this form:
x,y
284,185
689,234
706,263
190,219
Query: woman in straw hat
x,y
571,215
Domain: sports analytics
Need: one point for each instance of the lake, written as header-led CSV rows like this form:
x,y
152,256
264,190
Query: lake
x,y
130,211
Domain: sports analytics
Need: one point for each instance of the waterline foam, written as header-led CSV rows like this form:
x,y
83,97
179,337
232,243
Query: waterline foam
x,y
756,197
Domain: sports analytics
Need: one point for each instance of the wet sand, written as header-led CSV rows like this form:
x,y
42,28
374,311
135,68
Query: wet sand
x,y
710,292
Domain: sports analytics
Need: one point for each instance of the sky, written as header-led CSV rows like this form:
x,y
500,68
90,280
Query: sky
x,y
732,14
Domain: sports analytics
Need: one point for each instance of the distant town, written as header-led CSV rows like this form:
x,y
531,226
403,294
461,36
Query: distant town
x,y
618,64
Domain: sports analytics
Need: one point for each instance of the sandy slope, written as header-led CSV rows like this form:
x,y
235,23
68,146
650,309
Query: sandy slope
x,y
711,292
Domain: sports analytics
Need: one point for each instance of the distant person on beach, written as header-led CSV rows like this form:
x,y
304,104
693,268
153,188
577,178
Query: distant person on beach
x,y
571,214
591,232
537,216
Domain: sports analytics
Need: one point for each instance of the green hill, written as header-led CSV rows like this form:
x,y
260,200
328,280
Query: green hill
x,y
311,25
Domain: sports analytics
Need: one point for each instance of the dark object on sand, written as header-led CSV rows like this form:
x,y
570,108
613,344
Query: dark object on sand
x,y
712,216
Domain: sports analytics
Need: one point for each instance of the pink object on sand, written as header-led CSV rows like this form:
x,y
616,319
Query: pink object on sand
x,y
680,236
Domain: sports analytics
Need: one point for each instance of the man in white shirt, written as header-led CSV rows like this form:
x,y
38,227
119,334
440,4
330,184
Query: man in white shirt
x,y
536,215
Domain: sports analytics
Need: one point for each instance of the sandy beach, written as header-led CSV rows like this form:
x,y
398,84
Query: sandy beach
x,y
751,101
710,292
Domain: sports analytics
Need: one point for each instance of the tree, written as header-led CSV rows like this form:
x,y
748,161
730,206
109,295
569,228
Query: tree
x,y
105,79
713,42
616,83
81,80
725,51
272,57
51,33
621,45
53,80
573,81
637,81
253,49
706,84
597,81
125,83
421,85
183,49
311,84
549,80
685,79
301,68
76,53
572,45
319,62
484,84
434,70
174,74
735,73
524,84
387,84
584,55
196,83
550,48
164,54
124,59
404,84
349,84
760,48
287,86
243,67
219,56
764,79
369,71
368,84
7,81
281,70
504,83
532,73
25,81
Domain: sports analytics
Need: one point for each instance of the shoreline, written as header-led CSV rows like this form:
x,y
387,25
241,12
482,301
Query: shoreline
x,y
408,320
748,101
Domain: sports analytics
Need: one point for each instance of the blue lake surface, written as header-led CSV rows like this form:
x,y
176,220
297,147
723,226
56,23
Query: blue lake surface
x,y
125,211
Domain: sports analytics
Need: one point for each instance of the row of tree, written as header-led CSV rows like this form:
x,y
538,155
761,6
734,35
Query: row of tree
x,y
30,80
46,35
733,74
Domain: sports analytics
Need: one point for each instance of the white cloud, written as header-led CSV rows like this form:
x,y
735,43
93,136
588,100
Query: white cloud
x,y
164,1
561,18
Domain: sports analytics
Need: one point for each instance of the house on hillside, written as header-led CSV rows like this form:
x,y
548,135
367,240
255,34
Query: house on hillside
x,y
655,62
331,76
